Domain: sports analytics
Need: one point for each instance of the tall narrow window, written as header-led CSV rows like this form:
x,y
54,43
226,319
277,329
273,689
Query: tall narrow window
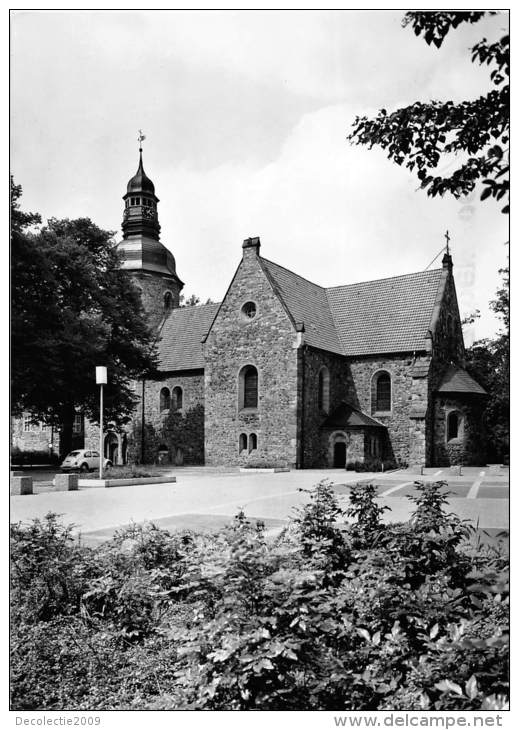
x,y
77,426
27,423
177,398
383,392
248,387
243,442
323,390
253,442
168,301
165,399
453,425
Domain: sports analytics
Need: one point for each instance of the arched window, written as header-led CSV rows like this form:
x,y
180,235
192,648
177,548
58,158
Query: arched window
x,y
253,442
453,425
381,392
243,442
248,387
165,399
168,301
177,398
323,390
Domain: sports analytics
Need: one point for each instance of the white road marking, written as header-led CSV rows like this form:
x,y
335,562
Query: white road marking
x,y
473,491
437,474
395,489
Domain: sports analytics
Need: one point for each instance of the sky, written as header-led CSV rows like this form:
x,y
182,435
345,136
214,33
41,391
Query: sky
x,y
246,115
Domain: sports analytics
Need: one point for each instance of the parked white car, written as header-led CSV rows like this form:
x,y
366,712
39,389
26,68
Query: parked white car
x,y
83,460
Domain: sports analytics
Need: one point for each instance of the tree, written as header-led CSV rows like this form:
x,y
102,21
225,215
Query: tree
x,y
488,361
420,135
73,308
192,301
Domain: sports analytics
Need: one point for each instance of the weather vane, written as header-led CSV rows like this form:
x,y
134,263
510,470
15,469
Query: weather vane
x,y
447,238
141,137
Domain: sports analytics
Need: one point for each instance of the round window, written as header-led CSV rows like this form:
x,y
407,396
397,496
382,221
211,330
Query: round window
x,y
248,310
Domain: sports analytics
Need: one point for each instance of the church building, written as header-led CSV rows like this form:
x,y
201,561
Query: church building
x,y
284,372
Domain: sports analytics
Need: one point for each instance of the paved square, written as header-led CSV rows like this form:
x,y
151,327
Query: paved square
x,y
204,498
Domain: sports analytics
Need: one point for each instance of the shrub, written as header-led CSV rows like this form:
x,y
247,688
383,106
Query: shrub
x,y
29,458
329,615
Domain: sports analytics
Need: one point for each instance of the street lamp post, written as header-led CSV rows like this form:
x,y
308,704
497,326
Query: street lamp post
x,y
101,379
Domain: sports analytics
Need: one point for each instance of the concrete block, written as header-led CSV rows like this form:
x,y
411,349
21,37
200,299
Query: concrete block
x,y
455,470
66,482
17,473
415,469
21,485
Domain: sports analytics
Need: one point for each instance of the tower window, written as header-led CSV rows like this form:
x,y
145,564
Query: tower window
x,y
168,301
243,442
381,392
248,387
137,201
165,399
253,442
177,398
132,201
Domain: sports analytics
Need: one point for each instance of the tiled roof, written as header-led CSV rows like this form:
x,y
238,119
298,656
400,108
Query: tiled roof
x,y
346,415
180,346
457,380
307,302
386,315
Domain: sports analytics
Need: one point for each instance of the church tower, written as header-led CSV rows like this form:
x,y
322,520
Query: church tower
x,y
149,261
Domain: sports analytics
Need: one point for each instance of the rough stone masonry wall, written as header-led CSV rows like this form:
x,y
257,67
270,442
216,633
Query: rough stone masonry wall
x,y
268,342
467,448
400,427
153,287
181,431
315,442
35,439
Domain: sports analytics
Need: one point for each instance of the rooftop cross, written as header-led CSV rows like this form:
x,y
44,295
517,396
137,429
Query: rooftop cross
x,y
447,238
141,137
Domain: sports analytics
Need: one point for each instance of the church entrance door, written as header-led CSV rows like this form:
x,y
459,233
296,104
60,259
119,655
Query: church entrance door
x,y
339,455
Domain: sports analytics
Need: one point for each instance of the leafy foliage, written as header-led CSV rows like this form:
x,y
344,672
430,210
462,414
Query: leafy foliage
x,y
488,361
422,134
328,615
73,308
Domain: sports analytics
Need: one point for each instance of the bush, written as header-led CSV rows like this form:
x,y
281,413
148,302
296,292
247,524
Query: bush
x,y
29,458
260,463
334,616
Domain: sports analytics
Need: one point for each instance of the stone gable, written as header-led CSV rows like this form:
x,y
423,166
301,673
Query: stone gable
x,y
268,342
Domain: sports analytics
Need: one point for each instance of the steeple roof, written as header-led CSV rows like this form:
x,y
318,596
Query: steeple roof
x,y
140,182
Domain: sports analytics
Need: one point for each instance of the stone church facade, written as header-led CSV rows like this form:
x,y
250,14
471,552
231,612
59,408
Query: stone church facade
x,y
286,372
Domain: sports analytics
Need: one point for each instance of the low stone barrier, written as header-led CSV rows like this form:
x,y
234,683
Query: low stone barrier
x,y
495,468
21,485
66,482
264,469
455,471
125,482
415,469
